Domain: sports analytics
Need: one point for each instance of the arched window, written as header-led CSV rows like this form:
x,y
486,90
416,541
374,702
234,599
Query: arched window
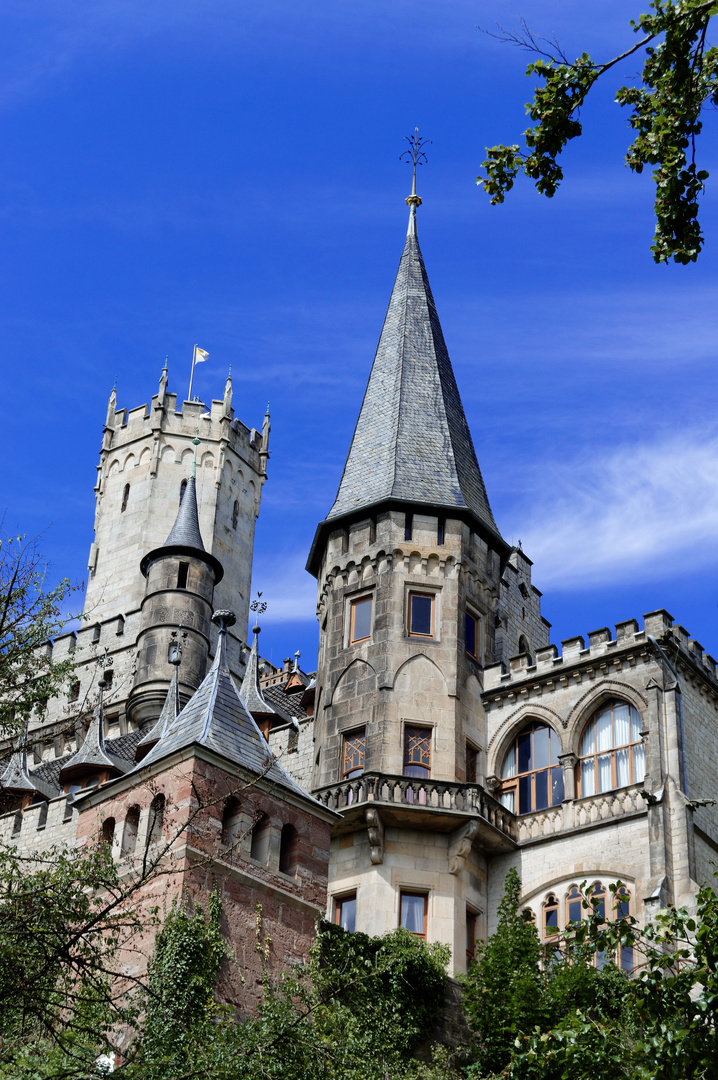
x,y
550,917
183,485
157,819
622,911
235,514
597,906
574,905
260,840
612,754
125,498
96,633
289,850
231,828
120,629
524,647
129,833
532,777
108,830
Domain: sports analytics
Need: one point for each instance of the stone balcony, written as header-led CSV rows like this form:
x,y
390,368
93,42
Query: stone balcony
x,y
586,813
408,802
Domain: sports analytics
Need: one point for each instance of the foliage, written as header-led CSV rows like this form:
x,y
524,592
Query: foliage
x,y
512,987
679,80
667,1028
30,615
182,975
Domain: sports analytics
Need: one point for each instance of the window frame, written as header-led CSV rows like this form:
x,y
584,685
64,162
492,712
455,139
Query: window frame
x,y
551,903
511,783
612,751
358,770
469,615
425,596
339,902
366,598
425,897
471,920
429,732
472,756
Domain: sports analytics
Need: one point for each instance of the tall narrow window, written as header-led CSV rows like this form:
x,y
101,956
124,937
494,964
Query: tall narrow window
x,y
623,910
125,498
183,488
532,777
417,752
550,917
408,526
289,850
612,752
182,572
413,913
157,819
574,905
360,620
345,914
421,615
353,756
597,902
74,692
470,936
129,833
120,628
235,514
232,831
108,830
440,531
471,635
471,763
524,647
260,839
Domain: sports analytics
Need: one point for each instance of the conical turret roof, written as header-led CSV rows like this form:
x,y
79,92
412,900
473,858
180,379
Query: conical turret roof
x,y
170,711
92,755
251,691
185,537
217,718
16,778
412,443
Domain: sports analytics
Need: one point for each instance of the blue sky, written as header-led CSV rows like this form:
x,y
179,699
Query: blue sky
x,y
228,173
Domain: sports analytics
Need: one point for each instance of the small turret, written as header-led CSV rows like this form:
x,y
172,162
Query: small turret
x,y
227,407
180,580
92,764
172,706
264,714
18,788
264,451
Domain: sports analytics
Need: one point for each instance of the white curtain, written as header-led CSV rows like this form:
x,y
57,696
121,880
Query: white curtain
x,y
510,763
588,745
412,914
603,731
604,773
622,770
588,782
507,800
621,726
635,725
639,763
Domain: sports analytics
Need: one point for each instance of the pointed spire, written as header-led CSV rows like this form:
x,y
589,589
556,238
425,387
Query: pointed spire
x,y
92,757
170,712
251,691
111,407
412,446
227,410
264,449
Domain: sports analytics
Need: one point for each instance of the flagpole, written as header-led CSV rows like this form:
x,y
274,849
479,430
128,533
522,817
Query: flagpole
x,y
191,374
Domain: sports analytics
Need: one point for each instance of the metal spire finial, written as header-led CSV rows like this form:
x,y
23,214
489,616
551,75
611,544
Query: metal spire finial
x,y
259,607
167,356
415,156
195,442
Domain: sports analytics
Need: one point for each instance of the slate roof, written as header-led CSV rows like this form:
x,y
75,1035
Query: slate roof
x,y
93,754
48,772
412,442
185,531
286,703
170,710
216,717
18,779
251,692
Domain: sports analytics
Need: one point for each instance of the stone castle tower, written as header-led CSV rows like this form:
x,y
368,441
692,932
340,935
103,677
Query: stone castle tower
x,y
410,567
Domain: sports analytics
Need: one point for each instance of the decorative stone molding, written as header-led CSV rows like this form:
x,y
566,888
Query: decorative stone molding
x,y
375,832
460,846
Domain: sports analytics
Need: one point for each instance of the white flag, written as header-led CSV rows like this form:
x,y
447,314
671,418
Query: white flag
x,y
200,355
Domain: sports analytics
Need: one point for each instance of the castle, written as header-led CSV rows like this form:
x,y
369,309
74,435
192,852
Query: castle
x,y
442,740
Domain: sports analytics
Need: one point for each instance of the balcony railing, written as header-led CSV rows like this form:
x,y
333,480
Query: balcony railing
x,y
407,793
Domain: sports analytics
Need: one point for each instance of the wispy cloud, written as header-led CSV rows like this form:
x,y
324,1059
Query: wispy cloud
x,y
643,512
289,591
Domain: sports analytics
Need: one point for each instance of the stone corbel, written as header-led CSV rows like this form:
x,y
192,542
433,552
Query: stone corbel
x,y
492,783
375,832
460,846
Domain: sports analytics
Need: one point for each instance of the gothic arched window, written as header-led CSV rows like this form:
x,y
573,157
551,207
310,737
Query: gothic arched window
x,y
532,778
157,819
550,916
183,487
129,834
232,828
612,754
235,514
524,647
574,905
260,839
125,498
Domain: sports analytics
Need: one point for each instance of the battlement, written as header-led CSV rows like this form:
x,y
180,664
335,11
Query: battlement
x,y
127,425
673,638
